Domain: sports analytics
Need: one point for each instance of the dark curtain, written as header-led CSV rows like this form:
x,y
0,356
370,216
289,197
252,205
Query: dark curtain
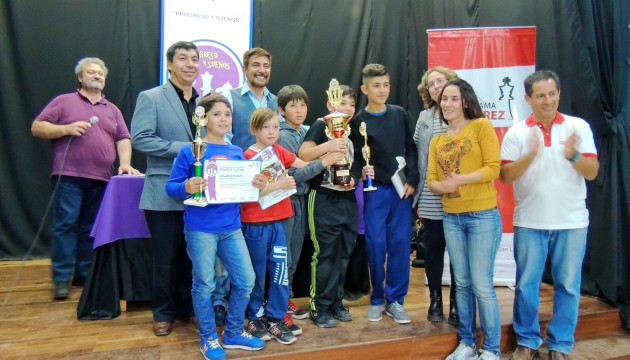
x,y
584,41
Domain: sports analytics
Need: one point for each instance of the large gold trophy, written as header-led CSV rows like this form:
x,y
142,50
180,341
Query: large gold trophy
x,y
367,154
338,127
198,148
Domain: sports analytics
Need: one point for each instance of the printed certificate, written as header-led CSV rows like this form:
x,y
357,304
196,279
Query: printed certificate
x,y
230,181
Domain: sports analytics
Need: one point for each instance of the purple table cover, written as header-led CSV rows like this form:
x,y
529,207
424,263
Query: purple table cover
x,y
119,216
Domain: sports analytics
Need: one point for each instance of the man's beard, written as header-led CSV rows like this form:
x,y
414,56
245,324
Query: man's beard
x,y
93,85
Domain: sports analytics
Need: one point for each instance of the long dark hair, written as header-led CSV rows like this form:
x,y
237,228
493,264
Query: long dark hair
x,y
470,104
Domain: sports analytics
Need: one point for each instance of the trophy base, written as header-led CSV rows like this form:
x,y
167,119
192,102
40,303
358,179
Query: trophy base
x,y
370,188
341,175
201,202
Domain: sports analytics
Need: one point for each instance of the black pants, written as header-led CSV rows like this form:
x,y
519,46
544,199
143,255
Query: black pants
x,y
333,222
434,253
172,268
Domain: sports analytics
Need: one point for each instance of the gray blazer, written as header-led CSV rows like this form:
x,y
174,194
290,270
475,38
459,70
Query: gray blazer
x,y
422,137
159,129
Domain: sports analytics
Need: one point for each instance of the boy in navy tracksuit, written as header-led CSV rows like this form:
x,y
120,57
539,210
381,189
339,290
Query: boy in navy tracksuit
x,y
387,215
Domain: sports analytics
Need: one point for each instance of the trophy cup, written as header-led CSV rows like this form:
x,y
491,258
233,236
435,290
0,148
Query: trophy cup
x,y
338,127
367,152
198,148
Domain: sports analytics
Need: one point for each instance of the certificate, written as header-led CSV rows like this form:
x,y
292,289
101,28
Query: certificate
x,y
230,181
272,168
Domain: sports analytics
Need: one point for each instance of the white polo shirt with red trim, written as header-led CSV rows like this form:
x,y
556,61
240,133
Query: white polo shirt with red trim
x,y
550,194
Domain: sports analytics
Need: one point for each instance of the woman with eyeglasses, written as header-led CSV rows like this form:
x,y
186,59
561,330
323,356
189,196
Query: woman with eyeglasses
x,y
429,205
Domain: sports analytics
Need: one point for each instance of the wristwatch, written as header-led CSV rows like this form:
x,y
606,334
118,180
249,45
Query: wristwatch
x,y
576,157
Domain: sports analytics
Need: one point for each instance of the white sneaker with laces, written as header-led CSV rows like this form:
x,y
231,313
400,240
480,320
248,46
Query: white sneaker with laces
x,y
463,352
487,355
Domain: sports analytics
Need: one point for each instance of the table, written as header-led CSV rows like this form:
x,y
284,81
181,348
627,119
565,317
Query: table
x,y
121,265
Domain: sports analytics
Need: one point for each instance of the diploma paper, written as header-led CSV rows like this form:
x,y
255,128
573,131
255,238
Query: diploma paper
x,y
230,181
272,168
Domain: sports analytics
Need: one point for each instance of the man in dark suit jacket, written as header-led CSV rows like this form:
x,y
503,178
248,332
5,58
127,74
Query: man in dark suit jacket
x,y
161,126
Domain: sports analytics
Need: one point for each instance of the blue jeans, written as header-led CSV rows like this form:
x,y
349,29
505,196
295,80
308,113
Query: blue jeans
x,y
221,293
267,247
566,250
472,240
76,204
230,247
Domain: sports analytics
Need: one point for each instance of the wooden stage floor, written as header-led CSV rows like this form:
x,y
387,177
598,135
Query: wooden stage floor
x,y
33,326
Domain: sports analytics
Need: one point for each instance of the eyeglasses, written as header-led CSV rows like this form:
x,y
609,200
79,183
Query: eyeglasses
x,y
440,81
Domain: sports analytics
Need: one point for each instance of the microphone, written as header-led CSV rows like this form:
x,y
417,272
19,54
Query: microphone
x,y
94,120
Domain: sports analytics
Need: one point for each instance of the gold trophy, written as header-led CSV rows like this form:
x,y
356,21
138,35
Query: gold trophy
x,y
367,152
338,127
198,148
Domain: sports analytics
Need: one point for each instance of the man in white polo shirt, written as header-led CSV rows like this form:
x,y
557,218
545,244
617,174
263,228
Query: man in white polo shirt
x,y
548,156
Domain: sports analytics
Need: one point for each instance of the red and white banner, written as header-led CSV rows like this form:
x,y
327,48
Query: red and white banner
x,y
495,61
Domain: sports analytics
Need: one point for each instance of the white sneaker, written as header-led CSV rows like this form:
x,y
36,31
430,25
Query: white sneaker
x,y
375,312
487,355
463,352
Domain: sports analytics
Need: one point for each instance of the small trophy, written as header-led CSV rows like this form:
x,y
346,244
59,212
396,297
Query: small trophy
x,y
198,148
338,127
366,155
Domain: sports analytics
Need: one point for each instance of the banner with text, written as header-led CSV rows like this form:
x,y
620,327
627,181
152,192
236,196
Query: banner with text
x,y
495,61
221,29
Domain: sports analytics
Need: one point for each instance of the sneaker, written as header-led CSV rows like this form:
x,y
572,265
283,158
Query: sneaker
x,y
463,352
62,290
323,318
396,311
220,312
557,355
375,313
281,332
295,312
211,350
487,355
296,330
243,341
341,313
258,329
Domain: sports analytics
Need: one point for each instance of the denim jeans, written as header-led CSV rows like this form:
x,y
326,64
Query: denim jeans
x,y
230,247
221,293
267,247
472,240
76,204
566,250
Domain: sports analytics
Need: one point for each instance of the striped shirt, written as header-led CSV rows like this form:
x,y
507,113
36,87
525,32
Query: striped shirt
x,y
430,204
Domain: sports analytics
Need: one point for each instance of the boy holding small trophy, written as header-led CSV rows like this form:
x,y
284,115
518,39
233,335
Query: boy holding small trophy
x,y
387,212
214,230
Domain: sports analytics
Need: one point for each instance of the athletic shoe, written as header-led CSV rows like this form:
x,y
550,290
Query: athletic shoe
x,y
295,312
243,341
258,329
341,313
323,318
397,311
375,313
211,350
289,323
281,332
463,352
487,355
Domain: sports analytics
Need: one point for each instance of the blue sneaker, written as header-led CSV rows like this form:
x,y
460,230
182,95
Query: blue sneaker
x,y
243,341
211,350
